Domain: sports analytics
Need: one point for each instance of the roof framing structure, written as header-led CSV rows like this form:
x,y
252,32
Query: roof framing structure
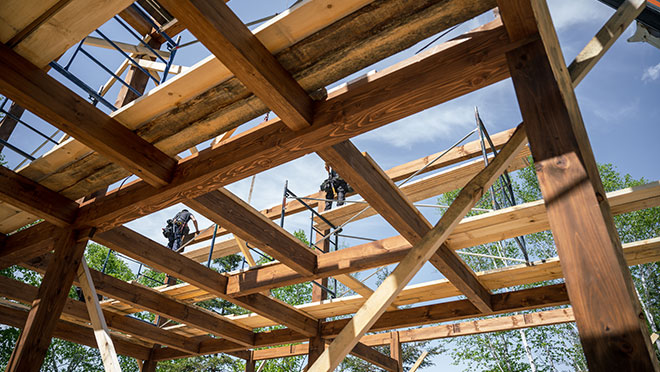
x,y
284,66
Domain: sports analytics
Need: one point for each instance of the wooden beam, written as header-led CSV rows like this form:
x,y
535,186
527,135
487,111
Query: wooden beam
x,y
15,316
220,30
315,348
44,96
364,174
419,361
527,299
128,48
229,211
34,198
97,320
438,75
472,327
375,306
34,340
606,36
27,243
245,250
375,357
9,122
396,352
160,67
607,318
136,246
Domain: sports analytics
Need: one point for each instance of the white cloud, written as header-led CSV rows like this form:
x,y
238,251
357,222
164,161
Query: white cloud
x,y
569,13
651,73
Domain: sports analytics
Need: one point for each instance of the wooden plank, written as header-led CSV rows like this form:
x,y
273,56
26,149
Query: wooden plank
x,y
489,227
30,242
598,279
160,67
375,306
34,340
30,196
136,246
606,36
375,357
220,30
479,326
527,299
419,361
126,47
44,96
229,211
440,74
16,317
101,331
245,250
364,174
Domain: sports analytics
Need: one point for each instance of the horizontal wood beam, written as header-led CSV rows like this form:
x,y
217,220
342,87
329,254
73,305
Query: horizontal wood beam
x,y
375,357
441,74
526,299
223,33
499,324
232,213
36,199
421,252
31,242
145,250
128,48
15,316
47,98
75,311
364,174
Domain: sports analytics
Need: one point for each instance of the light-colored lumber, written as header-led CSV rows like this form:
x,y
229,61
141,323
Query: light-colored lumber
x,y
375,357
101,331
605,37
46,97
396,352
419,361
383,195
245,250
160,67
374,307
573,191
337,119
138,49
223,33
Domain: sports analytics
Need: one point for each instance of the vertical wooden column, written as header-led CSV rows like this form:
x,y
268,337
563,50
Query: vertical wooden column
x,y
318,293
316,348
35,338
250,363
607,312
395,349
135,78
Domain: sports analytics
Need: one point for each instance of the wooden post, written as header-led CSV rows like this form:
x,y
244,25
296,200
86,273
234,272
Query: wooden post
x,y
101,331
33,342
608,314
316,348
250,363
395,349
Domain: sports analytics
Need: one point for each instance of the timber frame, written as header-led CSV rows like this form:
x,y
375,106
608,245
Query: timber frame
x,y
284,67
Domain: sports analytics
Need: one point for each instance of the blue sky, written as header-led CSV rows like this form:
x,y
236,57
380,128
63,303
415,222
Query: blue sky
x,y
619,100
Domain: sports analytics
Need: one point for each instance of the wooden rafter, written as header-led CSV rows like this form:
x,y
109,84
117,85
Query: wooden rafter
x,y
340,117
34,340
161,258
44,96
382,194
229,211
383,297
375,357
220,30
573,192
34,198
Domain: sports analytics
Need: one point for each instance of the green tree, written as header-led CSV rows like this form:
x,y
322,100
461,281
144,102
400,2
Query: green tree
x,y
552,348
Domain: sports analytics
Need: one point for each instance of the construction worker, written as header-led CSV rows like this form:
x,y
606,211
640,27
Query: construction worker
x,y
334,186
177,228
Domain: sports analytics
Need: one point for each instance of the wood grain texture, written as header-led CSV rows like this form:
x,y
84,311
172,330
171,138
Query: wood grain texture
x,y
64,330
30,196
44,96
395,350
384,196
27,243
229,211
606,307
375,357
163,259
220,30
383,297
34,340
443,73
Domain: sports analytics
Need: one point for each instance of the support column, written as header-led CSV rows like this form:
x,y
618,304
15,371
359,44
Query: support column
x,y
250,363
135,78
318,293
395,349
35,338
316,348
608,314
